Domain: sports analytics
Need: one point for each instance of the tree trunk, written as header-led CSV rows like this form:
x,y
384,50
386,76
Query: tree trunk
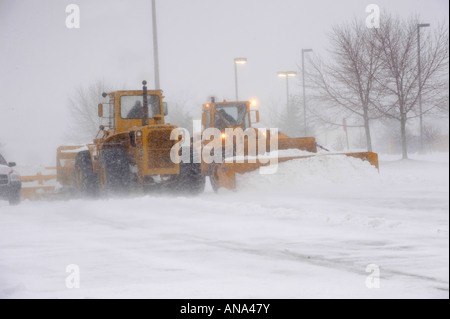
x,y
367,129
404,141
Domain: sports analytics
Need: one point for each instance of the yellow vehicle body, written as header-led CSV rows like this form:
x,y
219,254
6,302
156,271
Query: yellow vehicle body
x,y
143,142
224,174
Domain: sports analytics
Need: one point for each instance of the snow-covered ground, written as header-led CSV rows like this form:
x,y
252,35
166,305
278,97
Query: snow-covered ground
x,y
308,231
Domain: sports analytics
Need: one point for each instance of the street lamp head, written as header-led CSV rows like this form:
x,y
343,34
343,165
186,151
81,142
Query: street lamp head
x,y
284,74
240,60
423,25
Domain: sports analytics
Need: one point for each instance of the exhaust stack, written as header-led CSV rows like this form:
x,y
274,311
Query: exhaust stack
x,y
145,107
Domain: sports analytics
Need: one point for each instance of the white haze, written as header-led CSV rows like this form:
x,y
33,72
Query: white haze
x,y
42,62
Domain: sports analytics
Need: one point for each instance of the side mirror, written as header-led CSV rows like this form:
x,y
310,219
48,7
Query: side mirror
x,y
165,108
100,110
256,120
11,164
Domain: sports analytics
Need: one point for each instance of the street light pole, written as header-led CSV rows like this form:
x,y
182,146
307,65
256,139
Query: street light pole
x,y
155,46
236,62
287,74
422,25
236,87
287,95
304,96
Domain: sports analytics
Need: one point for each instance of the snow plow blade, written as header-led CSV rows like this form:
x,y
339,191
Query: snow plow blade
x,y
301,143
38,186
226,174
42,183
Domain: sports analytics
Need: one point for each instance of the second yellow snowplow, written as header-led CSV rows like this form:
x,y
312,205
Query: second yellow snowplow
x,y
255,148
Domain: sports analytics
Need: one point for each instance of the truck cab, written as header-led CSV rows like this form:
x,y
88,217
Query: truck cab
x,y
125,110
223,115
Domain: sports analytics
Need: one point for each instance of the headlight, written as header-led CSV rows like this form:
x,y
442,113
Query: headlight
x,y
14,177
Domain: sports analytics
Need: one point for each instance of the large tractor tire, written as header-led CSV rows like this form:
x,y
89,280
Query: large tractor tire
x,y
214,177
114,176
85,178
190,181
214,170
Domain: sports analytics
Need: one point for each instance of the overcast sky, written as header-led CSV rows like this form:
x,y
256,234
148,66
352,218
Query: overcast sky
x,y
42,62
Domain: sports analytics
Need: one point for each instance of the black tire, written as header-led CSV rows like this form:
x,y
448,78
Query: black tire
x,y
15,198
213,177
84,176
191,181
114,176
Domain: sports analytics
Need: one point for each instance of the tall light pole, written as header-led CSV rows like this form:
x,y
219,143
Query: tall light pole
x,y
304,95
421,25
155,46
287,75
236,62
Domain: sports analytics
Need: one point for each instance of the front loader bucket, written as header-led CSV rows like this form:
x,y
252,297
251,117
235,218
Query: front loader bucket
x,y
226,172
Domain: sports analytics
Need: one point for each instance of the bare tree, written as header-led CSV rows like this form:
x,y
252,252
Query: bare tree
x,y
444,106
345,83
275,114
84,112
291,119
389,138
272,114
340,143
397,39
431,135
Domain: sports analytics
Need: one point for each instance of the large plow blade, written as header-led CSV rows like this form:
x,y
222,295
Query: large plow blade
x,y
279,142
225,173
301,143
40,185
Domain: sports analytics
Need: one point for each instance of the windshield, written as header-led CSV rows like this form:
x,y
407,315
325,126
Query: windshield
x,y
131,106
231,115
2,161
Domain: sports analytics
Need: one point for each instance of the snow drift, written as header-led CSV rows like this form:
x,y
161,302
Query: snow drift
x,y
306,174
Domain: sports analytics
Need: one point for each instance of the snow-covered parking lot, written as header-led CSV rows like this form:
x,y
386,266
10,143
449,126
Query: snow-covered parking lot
x,y
308,231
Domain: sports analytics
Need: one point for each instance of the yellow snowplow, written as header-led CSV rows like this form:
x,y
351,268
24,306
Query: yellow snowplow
x,y
135,149
245,147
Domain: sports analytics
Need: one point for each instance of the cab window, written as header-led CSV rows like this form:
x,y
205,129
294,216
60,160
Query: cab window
x,y
131,106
